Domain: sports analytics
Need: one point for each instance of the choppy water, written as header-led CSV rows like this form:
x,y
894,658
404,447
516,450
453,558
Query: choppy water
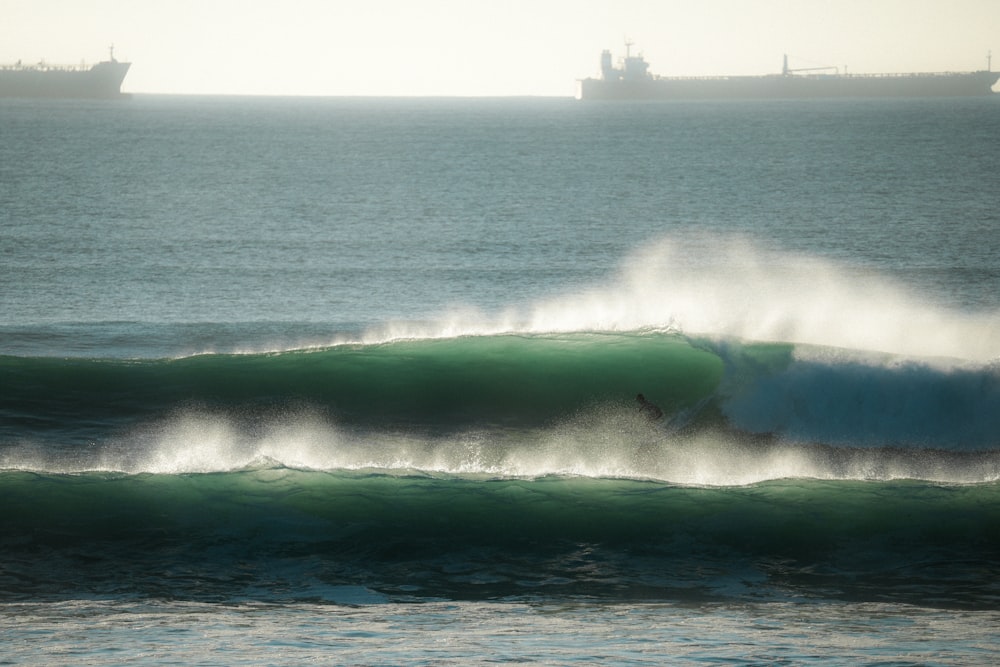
x,y
358,378
450,633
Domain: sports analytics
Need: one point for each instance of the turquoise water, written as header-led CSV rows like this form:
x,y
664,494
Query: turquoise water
x,y
357,377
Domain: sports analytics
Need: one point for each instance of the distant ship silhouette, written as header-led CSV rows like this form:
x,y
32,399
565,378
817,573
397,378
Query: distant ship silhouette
x,y
633,81
103,80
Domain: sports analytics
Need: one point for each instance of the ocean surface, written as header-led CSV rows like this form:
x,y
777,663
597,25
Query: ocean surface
x,y
353,381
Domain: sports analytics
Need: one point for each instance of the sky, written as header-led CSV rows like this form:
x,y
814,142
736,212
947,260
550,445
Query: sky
x,y
484,47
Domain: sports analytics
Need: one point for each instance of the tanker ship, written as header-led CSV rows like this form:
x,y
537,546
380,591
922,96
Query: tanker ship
x,y
103,80
633,81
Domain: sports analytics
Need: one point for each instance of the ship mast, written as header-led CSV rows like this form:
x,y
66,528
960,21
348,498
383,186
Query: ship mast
x,y
786,70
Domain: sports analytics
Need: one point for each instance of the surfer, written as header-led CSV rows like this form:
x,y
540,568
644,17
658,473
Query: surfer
x,y
651,411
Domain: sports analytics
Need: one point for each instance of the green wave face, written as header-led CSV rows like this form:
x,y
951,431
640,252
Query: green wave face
x,y
512,379
223,535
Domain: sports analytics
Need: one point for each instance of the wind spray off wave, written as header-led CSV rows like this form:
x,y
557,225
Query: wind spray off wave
x,y
725,286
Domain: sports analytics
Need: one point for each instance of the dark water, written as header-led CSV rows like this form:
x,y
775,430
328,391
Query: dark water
x,y
285,359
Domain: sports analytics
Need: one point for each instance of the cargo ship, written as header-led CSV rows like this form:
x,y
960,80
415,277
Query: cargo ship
x,y
103,80
633,81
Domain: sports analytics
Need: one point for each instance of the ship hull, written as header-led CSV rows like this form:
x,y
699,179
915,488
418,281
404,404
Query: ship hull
x,y
103,80
792,86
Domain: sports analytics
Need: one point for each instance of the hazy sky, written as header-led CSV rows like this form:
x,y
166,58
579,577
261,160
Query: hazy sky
x,y
484,47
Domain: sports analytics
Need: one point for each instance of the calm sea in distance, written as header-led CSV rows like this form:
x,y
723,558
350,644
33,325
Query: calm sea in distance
x,y
354,381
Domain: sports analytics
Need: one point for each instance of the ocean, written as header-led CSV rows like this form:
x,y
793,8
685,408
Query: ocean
x,y
354,381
